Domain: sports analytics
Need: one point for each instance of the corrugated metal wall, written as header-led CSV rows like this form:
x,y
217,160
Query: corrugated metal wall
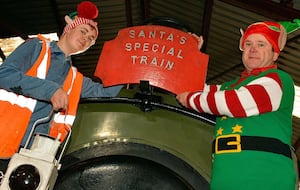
x,y
188,11
222,40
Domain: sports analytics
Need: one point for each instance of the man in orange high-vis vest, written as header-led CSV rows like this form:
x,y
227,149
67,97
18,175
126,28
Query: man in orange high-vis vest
x,y
38,77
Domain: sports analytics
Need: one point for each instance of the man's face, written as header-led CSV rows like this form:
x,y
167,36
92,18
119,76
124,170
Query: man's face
x,y
258,52
81,38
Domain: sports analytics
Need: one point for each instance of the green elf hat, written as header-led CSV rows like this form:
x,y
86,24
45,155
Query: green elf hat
x,y
291,26
272,31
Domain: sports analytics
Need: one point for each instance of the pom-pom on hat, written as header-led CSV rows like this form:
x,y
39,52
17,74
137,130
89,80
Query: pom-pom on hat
x,y
86,12
274,32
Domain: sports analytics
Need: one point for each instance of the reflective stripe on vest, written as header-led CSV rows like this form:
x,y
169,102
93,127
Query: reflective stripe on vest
x,y
39,70
69,83
16,110
62,122
64,119
19,100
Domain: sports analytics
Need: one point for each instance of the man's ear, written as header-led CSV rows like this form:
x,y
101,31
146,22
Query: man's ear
x,y
275,56
68,19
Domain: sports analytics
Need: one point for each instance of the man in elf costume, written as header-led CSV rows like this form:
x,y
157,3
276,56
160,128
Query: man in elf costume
x,y
38,77
252,145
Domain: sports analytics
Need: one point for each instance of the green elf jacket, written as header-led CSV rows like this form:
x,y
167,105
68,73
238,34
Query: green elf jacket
x,y
253,131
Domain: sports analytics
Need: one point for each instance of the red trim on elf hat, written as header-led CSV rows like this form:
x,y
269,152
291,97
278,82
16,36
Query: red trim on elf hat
x,y
86,12
272,31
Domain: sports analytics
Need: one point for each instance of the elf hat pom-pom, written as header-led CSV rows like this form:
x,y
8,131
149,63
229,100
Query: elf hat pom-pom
x,y
86,12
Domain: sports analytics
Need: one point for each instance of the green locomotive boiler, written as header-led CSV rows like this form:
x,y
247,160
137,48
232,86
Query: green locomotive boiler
x,y
143,139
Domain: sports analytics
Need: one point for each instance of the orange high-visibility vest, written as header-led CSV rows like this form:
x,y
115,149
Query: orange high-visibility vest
x,y
63,121
16,110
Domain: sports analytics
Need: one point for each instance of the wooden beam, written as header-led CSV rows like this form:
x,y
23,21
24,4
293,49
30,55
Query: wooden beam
x,y
145,9
206,22
128,13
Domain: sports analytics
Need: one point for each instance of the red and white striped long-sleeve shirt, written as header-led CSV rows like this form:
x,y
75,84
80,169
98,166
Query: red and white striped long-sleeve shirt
x,y
263,94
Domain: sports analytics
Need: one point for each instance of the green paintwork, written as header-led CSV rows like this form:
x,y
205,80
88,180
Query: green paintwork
x,y
187,138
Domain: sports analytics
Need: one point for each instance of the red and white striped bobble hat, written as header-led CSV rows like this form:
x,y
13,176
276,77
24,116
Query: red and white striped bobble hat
x,y
86,12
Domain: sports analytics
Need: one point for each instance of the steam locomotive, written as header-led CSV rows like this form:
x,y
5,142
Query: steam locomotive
x,y
142,139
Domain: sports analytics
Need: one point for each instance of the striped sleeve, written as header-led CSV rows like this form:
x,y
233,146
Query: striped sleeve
x,y
259,96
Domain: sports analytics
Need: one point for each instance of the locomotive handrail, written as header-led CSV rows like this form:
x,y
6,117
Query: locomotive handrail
x,y
210,119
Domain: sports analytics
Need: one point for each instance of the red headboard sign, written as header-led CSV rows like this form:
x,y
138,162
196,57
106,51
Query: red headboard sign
x,y
166,57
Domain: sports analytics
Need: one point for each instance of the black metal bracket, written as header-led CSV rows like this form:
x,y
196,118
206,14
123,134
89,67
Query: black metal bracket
x,y
146,96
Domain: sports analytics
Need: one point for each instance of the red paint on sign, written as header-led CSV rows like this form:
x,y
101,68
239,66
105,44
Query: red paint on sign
x,y
166,57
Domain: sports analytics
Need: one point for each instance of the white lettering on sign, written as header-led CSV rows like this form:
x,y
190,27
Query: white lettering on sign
x,y
153,61
162,35
157,46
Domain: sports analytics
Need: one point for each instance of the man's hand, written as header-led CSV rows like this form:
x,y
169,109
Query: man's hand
x,y
182,98
199,40
60,100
